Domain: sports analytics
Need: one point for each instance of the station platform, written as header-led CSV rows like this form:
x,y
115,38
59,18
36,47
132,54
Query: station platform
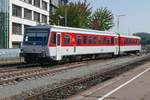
x,y
132,85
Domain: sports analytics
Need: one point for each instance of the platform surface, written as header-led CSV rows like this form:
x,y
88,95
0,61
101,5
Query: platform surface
x,y
132,85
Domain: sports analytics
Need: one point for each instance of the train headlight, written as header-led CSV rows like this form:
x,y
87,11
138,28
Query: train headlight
x,y
22,50
21,53
43,53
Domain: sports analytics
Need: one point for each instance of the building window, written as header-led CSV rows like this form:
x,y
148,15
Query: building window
x,y
37,3
36,16
44,5
52,7
16,44
27,14
16,29
67,39
16,11
28,1
44,19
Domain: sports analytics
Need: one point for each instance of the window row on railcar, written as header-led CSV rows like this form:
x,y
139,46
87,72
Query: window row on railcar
x,y
89,40
131,41
82,39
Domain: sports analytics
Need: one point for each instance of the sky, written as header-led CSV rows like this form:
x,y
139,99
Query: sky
x,y
137,14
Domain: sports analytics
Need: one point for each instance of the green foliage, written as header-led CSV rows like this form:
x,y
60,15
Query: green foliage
x,y
102,19
145,37
78,15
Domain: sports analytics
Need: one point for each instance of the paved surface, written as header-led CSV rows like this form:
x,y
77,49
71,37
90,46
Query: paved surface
x,y
132,85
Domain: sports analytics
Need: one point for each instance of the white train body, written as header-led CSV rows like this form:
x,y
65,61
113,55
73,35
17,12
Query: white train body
x,y
56,43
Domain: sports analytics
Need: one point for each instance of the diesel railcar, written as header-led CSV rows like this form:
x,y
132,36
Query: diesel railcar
x,y
56,43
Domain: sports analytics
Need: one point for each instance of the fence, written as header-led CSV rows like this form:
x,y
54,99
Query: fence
x,y
9,54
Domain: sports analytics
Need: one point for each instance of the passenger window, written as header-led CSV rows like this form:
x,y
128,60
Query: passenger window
x,y
104,40
78,40
84,39
95,40
58,39
112,40
53,38
90,39
67,39
137,42
108,40
100,40
116,41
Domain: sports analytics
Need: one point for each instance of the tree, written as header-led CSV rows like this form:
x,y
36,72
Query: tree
x,y
145,37
78,15
102,19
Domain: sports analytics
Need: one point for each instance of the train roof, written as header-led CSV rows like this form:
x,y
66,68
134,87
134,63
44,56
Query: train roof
x,y
77,30
80,30
71,29
40,27
130,36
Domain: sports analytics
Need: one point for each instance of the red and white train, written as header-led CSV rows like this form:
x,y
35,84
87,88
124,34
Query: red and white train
x,y
45,42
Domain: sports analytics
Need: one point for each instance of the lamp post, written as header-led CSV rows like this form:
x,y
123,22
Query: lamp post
x,y
65,15
65,2
60,18
118,16
118,21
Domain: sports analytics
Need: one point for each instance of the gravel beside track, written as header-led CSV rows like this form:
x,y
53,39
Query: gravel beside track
x,y
11,61
14,76
48,82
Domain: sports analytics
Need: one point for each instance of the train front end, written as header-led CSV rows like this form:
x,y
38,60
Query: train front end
x,y
35,44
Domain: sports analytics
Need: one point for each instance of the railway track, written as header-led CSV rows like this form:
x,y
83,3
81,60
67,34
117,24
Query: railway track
x,y
17,65
15,72
9,77
12,75
71,87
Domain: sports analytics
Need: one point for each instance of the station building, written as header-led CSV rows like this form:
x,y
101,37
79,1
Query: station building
x,y
17,15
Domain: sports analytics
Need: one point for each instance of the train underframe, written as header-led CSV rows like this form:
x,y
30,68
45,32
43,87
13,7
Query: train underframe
x,y
39,58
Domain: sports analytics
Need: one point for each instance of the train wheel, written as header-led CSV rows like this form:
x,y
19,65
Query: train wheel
x,y
66,59
28,60
78,58
93,57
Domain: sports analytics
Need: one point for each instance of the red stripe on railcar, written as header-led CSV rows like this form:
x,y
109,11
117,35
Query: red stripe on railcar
x,y
96,40
125,41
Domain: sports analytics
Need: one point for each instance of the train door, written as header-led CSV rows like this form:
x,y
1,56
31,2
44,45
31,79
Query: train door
x,y
58,46
116,44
